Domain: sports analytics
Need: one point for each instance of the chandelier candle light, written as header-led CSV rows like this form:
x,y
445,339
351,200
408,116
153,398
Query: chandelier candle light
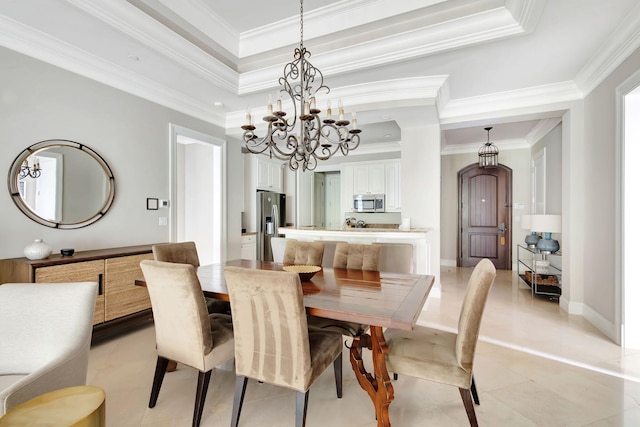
x,y
33,172
318,139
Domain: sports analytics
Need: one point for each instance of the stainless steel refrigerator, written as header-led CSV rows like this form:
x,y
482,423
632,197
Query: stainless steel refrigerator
x,y
271,215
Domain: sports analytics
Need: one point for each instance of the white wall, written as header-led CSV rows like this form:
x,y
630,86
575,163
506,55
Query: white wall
x,y
39,101
420,168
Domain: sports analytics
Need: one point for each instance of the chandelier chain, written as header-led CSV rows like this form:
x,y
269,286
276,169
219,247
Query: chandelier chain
x,y
301,24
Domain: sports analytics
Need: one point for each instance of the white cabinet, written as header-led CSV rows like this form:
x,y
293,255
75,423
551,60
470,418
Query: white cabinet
x,y
382,177
248,246
392,186
369,179
268,174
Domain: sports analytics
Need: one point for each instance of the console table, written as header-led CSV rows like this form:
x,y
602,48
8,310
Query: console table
x,y
119,305
542,272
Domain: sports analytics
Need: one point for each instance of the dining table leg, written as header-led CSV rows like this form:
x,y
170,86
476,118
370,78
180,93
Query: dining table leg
x,y
378,385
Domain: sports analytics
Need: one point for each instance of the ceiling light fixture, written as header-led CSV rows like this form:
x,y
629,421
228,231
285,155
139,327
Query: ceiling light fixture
x,y
318,139
488,153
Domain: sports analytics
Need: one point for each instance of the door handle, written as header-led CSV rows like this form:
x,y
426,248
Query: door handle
x,y
502,227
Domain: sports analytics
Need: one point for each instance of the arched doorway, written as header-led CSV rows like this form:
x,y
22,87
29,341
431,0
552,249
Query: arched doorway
x,y
484,216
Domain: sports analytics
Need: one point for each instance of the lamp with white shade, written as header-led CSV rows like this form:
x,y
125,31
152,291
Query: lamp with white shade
x,y
547,224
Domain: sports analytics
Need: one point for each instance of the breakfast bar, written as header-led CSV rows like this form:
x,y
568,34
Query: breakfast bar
x,y
420,238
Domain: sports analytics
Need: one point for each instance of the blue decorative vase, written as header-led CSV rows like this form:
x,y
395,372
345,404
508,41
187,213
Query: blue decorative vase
x,y
532,239
548,244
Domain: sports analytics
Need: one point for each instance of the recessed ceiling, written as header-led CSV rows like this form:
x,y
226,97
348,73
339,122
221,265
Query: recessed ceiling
x,y
506,63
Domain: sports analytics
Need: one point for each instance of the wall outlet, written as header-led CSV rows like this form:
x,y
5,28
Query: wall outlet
x,y
162,220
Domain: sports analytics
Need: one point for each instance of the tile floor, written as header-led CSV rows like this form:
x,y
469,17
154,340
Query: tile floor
x,y
535,366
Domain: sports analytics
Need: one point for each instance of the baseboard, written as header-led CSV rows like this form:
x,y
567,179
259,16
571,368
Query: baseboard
x,y
604,325
448,263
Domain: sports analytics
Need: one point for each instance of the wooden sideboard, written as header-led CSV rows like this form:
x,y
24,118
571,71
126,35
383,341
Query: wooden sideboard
x,y
119,305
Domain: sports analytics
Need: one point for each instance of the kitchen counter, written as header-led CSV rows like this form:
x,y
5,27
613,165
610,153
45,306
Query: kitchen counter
x,y
420,238
284,230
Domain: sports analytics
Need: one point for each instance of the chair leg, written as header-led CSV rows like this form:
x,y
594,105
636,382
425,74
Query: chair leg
x,y
201,395
238,398
301,408
161,368
474,391
337,372
468,405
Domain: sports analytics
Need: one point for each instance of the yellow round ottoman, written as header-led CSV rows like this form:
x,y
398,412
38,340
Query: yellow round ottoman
x,y
81,406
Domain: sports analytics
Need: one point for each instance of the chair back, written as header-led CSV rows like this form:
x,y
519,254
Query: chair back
x,y
278,245
183,331
303,253
329,252
396,257
270,327
357,257
475,298
182,253
45,336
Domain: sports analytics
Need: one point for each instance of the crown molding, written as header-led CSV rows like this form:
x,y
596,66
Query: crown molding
x,y
453,34
541,129
394,93
28,41
622,43
504,144
461,109
141,27
198,14
324,21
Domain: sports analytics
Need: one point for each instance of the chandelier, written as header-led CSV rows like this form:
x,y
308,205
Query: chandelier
x,y
32,172
318,138
488,153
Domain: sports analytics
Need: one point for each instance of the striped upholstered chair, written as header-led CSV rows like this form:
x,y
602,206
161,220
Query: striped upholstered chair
x,y
273,343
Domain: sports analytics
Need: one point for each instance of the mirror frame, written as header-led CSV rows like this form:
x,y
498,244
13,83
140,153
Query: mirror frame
x,y
13,180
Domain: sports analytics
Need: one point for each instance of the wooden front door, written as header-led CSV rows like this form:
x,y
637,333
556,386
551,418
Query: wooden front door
x,y
484,216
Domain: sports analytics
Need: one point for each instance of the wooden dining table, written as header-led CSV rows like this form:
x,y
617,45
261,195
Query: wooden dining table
x,y
378,299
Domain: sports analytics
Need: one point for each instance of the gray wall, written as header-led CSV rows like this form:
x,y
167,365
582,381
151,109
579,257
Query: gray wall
x,y
39,101
599,191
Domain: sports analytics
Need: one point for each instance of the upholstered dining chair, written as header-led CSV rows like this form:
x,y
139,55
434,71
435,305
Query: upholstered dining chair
x,y
185,332
307,253
186,253
396,257
45,335
329,251
357,256
442,356
273,343
353,257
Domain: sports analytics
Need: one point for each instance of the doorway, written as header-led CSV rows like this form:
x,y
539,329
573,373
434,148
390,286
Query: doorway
x,y
627,229
327,199
198,192
484,219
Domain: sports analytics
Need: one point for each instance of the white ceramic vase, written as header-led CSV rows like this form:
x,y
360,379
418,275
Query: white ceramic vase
x,y
39,249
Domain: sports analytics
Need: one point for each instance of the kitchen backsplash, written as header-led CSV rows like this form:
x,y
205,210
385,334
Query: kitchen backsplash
x,y
376,218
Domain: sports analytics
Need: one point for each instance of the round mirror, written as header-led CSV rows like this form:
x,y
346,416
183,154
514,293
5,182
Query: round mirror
x,y
61,184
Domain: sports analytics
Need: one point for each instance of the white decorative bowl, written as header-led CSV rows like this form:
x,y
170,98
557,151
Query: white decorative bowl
x,y
39,249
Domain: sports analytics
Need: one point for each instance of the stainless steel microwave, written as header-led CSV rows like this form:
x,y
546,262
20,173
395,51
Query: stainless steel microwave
x,y
368,203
